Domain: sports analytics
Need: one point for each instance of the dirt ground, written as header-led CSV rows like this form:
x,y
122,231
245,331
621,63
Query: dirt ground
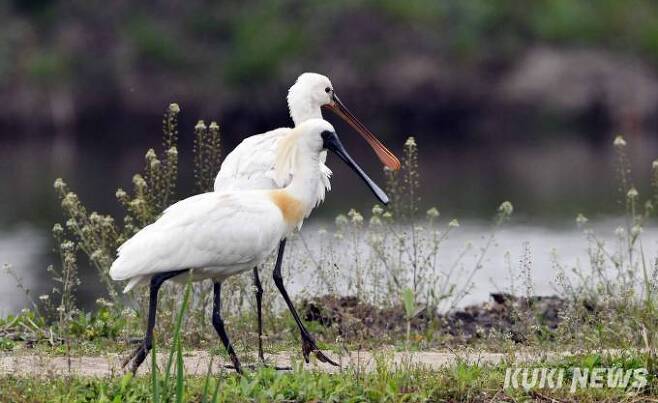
x,y
352,319
196,362
502,314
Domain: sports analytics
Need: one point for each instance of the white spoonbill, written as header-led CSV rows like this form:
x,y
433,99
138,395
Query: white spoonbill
x,y
219,234
251,165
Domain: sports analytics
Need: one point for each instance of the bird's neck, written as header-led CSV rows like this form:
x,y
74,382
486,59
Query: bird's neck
x,y
305,180
302,109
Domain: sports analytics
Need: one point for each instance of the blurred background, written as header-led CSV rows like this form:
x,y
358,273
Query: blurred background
x,y
508,100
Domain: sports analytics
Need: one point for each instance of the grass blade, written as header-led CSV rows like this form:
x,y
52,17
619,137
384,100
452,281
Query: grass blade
x,y
180,372
154,376
177,330
206,385
216,392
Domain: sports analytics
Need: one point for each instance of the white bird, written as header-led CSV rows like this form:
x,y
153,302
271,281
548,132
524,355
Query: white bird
x,y
251,165
218,234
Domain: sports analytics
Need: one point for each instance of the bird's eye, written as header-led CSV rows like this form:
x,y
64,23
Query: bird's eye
x,y
327,90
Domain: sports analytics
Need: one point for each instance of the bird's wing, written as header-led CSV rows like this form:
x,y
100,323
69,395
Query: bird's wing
x,y
206,230
251,164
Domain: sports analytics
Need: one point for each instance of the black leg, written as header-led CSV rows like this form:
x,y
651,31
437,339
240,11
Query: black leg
x,y
218,323
308,342
259,301
142,351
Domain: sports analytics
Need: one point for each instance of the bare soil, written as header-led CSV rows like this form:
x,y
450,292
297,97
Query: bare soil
x,y
353,319
197,362
503,314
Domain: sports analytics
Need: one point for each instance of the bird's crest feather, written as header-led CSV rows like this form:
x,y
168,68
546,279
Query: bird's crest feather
x,y
286,156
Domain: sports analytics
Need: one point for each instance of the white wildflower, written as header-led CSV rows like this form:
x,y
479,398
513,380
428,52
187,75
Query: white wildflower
x,y
172,152
44,297
355,216
632,193
95,218
506,208
619,142
581,219
70,201
411,142
200,125
454,223
636,230
139,181
377,209
620,231
136,203
174,108
58,230
150,154
96,255
341,219
104,302
59,184
433,212
121,194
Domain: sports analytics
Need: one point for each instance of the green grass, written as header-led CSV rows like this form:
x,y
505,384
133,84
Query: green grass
x,y
461,381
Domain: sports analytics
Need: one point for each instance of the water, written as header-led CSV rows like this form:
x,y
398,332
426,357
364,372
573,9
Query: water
x,y
549,182
24,248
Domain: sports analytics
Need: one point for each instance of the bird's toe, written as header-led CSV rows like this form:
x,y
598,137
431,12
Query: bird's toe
x,y
309,346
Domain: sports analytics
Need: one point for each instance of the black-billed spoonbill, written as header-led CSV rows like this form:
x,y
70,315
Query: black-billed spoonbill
x,y
251,166
219,234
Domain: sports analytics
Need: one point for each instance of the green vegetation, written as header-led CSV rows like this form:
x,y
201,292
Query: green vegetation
x,y
461,381
257,40
388,260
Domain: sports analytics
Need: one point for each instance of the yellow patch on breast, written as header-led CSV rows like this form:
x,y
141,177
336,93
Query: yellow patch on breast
x,y
290,207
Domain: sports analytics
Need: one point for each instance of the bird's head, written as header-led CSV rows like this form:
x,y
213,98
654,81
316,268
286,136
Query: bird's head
x,y
308,95
312,137
312,92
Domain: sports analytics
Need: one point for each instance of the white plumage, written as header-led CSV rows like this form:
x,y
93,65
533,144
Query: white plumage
x,y
265,189
219,234
232,230
251,164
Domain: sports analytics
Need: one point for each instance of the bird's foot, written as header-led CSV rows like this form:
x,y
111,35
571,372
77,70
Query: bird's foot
x,y
137,357
309,346
236,364
254,367
261,364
